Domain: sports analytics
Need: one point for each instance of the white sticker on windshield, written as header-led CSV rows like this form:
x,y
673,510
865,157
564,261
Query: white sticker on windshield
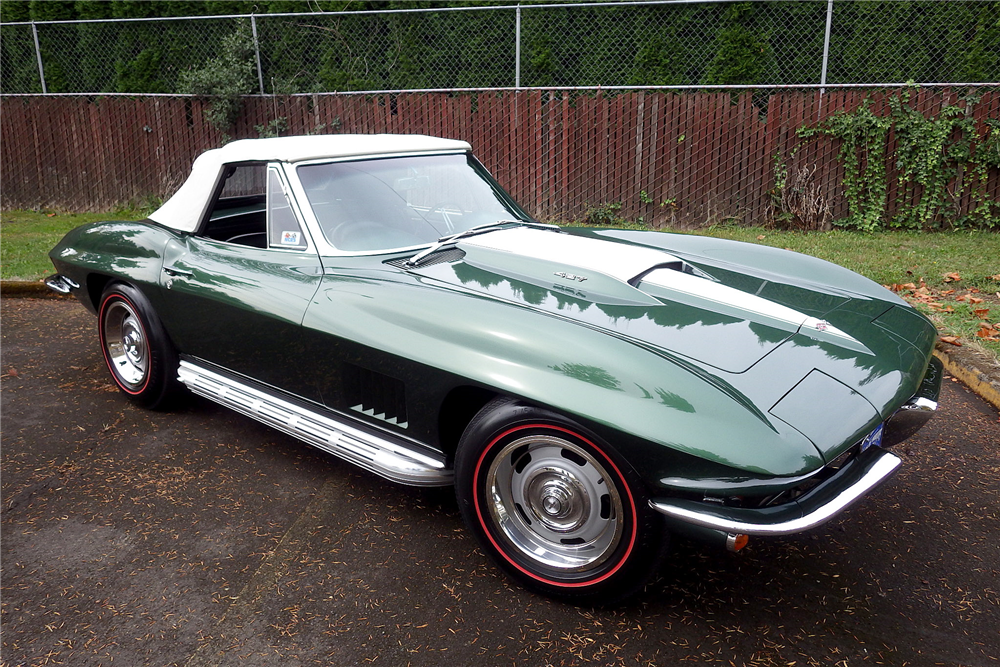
x,y
290,238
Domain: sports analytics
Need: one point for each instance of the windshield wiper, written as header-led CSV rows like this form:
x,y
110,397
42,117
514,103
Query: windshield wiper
x,y
480,229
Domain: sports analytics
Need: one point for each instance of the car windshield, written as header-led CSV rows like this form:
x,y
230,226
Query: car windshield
x,y
388,203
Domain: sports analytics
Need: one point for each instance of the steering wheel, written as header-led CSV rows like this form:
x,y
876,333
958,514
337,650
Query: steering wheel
x,y
442,209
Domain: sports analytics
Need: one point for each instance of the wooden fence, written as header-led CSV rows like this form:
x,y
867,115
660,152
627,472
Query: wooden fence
x,y
684,160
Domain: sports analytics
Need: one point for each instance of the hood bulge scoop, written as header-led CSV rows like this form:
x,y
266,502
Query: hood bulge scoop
x,y
633,291
617,260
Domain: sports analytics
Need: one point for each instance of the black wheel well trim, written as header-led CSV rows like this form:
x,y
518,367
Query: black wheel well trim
x,y
460,405
97,283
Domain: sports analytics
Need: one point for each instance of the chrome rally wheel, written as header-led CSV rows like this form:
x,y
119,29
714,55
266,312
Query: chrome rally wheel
x,y
125,345
136,348
551,501
554,505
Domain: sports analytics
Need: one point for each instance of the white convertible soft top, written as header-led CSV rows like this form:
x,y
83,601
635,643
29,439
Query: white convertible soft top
x,y
184,210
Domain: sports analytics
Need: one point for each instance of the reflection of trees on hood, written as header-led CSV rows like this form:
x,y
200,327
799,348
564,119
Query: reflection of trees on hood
x,y
768,334
564,301
468,274
802,299
670,315
530,293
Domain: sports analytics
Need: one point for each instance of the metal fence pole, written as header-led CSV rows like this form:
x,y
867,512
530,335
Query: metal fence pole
x,y
517,49
38,57
256,52
826,46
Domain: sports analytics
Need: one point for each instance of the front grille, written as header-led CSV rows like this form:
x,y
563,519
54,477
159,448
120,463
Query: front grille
x,y
846,456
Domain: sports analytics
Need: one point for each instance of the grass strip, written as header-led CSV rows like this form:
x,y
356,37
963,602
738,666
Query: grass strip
x,y
955,267
27,236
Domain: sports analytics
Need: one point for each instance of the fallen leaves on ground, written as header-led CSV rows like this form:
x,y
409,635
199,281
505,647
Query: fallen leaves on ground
x,y
936,301
925,295
990,332
968,298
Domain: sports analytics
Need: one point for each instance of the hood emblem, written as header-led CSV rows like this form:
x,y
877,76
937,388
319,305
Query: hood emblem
x,y
570,276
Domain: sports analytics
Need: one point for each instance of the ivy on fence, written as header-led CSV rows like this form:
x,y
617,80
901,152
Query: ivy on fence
x,y
940,156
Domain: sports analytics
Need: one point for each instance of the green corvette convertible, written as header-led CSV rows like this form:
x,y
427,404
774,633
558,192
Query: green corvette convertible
x,y
588,392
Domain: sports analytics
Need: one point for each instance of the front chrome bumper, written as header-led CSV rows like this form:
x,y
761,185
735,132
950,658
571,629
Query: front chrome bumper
x,y
819,505
829,498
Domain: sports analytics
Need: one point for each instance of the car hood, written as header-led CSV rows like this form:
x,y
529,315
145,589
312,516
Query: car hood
x,y
645,294
781,341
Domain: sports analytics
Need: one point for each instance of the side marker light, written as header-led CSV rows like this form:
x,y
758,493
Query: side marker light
x,y
736,542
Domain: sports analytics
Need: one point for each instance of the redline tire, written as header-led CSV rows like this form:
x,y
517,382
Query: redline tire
x,y
137,351
555,506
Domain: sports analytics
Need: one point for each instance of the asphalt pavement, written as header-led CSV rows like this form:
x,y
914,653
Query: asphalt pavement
x,y
199,537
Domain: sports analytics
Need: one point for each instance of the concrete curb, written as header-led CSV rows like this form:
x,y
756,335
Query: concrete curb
x,y
981,375
26,289
978,373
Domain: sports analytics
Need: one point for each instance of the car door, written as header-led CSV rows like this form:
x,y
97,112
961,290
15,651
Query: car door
x,y
236,291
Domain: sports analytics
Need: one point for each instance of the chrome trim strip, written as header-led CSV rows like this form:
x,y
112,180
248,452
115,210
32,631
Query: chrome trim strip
x,y
381,456
881,469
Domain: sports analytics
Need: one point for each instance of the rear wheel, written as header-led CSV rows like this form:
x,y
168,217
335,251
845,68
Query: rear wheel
x,y
137,350
554,505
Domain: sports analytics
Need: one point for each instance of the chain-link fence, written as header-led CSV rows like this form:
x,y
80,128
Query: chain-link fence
x,y
665,43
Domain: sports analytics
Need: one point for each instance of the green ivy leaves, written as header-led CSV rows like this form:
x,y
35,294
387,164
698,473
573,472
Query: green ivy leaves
x,y
939,158
862,149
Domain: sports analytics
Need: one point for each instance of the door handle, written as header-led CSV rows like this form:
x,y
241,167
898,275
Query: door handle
x,y
174,272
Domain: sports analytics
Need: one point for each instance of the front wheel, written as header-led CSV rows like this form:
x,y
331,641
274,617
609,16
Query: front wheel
x,y
554,505
137,350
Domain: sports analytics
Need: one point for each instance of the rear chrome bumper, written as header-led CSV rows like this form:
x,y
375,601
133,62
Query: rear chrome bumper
x,y
61,284
819,505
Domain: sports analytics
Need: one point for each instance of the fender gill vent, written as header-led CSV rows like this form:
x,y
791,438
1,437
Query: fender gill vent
x,y
375,395
440,257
